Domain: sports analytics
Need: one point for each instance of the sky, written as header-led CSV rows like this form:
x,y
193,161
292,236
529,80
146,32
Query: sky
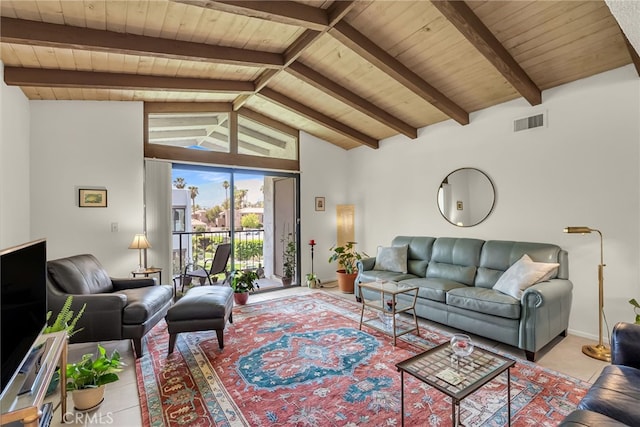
x,y
210,189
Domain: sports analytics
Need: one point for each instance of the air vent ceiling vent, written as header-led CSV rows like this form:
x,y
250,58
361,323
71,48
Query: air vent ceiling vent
x,y
530,122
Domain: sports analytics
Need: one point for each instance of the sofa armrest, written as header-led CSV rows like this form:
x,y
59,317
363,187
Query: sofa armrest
x,y
366,264
625,345
545,309
130,283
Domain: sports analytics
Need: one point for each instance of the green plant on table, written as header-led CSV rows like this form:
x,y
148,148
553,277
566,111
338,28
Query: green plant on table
x,y
92,373
636,307
243,281
65,321
347,256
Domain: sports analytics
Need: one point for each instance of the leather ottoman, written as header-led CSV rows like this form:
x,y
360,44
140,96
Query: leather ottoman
x,y
201,309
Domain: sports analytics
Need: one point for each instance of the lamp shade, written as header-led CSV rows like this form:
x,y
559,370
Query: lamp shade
x,y
140,242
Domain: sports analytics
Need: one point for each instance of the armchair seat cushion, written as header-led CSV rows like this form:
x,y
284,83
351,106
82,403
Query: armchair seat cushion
x,y
143,303
616,394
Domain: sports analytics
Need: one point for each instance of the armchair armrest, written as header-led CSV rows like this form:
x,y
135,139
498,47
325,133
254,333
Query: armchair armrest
x,y
366,264
130,283
625,345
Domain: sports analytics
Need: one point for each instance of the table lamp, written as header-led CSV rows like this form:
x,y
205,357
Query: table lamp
x,y
600,351
140,242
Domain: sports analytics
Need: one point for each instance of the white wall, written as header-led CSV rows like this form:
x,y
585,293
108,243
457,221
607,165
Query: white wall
x,y
87,144
325,169
14,166
580,170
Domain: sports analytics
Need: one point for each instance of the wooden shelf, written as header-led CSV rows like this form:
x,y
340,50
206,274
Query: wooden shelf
x,y
26,407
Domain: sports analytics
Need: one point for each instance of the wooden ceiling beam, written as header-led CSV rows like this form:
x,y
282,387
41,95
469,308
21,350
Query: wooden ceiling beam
x,y
474,30
283,12
34,33
333,89
321,119
377,56
632,51
38,77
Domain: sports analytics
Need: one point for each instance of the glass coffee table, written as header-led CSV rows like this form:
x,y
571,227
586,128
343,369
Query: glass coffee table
x,y
389,307
433,367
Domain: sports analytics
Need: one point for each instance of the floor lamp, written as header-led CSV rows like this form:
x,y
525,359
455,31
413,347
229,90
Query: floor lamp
x,y
600,351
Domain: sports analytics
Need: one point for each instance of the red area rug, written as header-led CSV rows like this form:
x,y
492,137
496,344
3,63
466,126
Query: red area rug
x,y
302,361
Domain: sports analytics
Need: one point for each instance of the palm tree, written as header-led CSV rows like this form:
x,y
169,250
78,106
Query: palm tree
x,y
226,186
194,193
179,183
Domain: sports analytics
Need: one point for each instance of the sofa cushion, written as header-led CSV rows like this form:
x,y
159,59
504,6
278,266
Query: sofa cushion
x,y
393,258
454,259
498,255
581,417
434,289
389,276
523,274
79,275
485,301
418,252
143,303
616,393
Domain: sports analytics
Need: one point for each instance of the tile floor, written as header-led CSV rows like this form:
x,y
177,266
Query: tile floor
x,y
122,406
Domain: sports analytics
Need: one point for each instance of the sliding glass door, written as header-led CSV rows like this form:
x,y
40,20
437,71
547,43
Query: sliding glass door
x,y
255,211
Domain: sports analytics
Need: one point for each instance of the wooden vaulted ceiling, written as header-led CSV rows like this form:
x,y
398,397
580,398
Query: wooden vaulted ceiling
x,y
349,72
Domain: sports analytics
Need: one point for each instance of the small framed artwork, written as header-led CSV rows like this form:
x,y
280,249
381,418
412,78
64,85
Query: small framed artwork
x,y
459,205
320,203
90,198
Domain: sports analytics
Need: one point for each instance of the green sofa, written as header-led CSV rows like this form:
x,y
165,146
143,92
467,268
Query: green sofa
x,y
456,277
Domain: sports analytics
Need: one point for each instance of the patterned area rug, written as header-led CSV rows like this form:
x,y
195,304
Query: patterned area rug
x,y
302,361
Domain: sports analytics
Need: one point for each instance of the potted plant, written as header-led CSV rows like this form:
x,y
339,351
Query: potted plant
x,y
312,280
65,321
86,379
636,307
243,282
288,259
347,256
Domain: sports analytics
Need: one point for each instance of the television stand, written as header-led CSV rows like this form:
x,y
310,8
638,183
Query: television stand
x,y
33,366
27,407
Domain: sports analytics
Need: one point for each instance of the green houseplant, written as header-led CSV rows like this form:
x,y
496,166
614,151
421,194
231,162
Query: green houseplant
x,y
243,282
347,257
64,321
288,259
86,379
636,307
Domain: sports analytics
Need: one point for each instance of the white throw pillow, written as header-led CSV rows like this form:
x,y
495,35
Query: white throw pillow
x,y
522,274
393,258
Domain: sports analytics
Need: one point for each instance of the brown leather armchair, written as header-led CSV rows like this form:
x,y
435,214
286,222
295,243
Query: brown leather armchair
x,y
116,309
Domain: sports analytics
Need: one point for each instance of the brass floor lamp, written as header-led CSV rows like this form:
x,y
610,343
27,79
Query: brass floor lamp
x,y
600,351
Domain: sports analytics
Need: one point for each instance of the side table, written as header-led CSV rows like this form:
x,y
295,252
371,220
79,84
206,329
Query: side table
x,y
147,271
391,290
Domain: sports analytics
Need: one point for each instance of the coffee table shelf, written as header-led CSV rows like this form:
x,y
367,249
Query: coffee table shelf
x,y
389,290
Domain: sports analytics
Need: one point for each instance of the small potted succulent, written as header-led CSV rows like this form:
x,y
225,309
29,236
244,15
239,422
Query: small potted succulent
x,y
243,282
86,379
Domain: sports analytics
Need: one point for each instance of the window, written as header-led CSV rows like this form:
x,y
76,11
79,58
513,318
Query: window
x,y
196,131
257,139
179,219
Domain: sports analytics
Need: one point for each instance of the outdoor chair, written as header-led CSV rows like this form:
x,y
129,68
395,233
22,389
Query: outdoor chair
x,y
218,265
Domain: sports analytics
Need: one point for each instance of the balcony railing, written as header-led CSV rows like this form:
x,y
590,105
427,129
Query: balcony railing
x,y
194,248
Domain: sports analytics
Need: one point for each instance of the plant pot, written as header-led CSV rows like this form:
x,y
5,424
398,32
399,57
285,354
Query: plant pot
x,y
346,281
241,298
312,283
286,281
88,398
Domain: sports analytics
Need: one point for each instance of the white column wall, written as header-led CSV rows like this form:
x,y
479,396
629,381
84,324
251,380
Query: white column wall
x,y
582,169
14,166
77,144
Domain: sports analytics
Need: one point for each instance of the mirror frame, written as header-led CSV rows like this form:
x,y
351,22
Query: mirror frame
x,y
484,215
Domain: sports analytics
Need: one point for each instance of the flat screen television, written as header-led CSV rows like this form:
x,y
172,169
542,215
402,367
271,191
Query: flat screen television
x,y
23,303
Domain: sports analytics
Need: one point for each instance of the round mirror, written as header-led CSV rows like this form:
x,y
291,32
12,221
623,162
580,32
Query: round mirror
x,y
466,197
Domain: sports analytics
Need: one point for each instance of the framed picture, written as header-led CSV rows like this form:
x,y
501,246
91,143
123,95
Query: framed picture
x,y
320,203
89,198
